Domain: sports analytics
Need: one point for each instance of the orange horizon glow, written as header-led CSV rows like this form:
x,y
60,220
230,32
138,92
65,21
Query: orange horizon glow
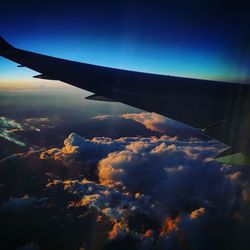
x,y
30,84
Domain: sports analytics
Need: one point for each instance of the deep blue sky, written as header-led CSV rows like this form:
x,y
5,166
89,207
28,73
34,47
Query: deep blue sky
x,y
194,38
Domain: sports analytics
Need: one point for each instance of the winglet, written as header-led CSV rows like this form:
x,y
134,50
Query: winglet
x,y
238,159
4,46
228,156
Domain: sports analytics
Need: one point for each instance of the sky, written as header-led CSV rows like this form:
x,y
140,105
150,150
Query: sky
x,y
207,40
71,155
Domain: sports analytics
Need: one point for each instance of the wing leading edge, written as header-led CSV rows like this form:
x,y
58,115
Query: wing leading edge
x,y
220,109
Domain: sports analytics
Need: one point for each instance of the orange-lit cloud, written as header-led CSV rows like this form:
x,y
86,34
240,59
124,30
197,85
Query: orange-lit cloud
x,y
149,233
234,176
119,231
246,195
20,84
197,213
170,225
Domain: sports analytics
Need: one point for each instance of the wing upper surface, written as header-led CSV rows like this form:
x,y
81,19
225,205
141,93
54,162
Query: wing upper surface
x,y
221,109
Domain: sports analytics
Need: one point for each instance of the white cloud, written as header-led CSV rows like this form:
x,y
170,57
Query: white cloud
x,y
38,123
163,169
156,123
151,121
7,129
102,117
37,119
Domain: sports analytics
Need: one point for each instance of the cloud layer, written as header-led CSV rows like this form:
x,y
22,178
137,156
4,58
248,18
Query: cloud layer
x,y
151,177
157,166
162,192
151,121
7,129
157,123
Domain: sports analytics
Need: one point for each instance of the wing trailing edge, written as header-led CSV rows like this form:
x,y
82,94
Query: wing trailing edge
x,y
95,97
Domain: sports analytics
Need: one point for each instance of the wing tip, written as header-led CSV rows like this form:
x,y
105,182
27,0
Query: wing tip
x,y
4,45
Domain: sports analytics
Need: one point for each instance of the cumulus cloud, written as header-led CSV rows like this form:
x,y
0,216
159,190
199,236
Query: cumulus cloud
x,y
77,148
119,231
119,206
162,167
115,204
170,225
90,151
178,221
170,179
153,176
198,212
182,230
147,240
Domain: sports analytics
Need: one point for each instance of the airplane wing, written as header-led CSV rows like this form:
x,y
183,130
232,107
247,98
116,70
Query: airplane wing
x,y
219,109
